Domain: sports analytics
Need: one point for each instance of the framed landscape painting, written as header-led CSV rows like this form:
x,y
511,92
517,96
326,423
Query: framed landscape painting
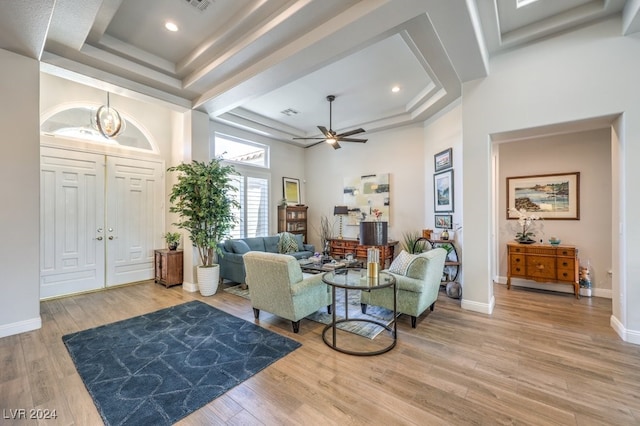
x,y
552,196
443,192
443,160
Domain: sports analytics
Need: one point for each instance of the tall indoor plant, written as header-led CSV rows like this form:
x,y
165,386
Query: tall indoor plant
x,y
203,198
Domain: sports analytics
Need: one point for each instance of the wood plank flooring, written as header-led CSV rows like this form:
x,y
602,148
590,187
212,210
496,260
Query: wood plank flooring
x,y
541,359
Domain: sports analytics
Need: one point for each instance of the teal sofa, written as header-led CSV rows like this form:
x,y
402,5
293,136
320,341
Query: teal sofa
x,y
232,265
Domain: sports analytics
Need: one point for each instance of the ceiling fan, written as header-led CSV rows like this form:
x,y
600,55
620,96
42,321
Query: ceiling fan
x,y
331,137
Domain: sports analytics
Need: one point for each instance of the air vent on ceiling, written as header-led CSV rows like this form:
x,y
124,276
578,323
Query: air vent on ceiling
x,y
289,112
201,5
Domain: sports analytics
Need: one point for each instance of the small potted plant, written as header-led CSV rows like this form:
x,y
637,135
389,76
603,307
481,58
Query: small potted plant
x,y
172,239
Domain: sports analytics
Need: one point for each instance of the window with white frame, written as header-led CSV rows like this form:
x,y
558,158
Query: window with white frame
x,y
236,150
250,159
253,197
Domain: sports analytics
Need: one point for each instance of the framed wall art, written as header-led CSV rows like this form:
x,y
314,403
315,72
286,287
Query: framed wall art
x,y
443,192
291,190
550,196
444,221
367,197
443,160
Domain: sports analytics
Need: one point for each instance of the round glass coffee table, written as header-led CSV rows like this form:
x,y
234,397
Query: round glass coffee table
x,y
356,279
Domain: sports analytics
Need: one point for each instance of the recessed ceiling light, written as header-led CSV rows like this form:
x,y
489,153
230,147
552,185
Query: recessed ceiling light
x,y
522,3
171,26
395,89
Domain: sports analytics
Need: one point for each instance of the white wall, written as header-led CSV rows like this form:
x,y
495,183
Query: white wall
x,y
583,75
399,152
19,183
586,152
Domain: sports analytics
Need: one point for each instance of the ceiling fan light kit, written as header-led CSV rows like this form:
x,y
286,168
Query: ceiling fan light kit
x,y
330,136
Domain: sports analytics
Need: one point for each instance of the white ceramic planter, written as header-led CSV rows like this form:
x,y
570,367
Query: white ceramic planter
x,y
208,279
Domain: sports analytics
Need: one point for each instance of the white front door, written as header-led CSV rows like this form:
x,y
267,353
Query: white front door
x,y
101,218
134,219
71,222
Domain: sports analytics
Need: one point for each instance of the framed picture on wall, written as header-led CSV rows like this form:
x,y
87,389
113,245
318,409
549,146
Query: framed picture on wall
x,y
550,196
443,160
444,221
291,190
443,192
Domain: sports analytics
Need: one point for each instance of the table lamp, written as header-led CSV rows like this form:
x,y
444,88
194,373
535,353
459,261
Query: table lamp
x,y
340,211
373,234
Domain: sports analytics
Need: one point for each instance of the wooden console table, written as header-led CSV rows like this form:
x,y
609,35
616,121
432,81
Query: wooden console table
x,y
543,263
339,247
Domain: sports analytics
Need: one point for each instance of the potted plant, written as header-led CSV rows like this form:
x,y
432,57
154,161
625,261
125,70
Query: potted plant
x,y
203,198
172,239
409,240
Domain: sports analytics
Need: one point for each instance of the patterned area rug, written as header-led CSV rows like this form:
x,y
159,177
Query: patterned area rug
x,y
362,328
159,367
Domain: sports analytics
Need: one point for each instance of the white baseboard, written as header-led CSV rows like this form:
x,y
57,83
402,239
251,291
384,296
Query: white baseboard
x,y
20,327
562,288
629,336
190,287
483,308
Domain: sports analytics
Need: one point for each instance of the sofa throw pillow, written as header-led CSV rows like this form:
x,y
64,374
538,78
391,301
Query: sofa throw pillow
x,y
401,263
298,238
240,247
287,243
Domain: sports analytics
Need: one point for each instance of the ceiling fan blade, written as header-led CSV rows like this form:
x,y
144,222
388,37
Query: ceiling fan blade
x,y
351,132
325,132
352,140
304,139
314,144
336,145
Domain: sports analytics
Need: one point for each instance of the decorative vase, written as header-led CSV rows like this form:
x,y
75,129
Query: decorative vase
x,y
208,277
173,246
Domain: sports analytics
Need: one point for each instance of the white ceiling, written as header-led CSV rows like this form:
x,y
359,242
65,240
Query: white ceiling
x,y
245,61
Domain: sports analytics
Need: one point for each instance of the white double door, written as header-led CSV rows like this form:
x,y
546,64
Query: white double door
x,y
100,220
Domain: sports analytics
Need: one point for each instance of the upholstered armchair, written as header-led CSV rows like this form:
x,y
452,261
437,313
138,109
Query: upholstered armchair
x,y
417,282
276,285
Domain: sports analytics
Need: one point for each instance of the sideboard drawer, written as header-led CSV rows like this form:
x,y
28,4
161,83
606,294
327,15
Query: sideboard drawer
x,y
567,251
541,267
518,265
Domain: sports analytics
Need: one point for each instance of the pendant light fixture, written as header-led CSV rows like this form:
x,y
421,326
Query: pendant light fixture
x,y
108,121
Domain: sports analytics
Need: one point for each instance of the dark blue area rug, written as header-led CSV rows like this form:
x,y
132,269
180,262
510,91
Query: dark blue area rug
x,y
157,368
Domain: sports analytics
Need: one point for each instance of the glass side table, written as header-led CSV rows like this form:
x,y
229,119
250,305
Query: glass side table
x,y
354,279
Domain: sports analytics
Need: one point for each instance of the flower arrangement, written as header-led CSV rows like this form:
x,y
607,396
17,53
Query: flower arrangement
x,y
377,213
526,222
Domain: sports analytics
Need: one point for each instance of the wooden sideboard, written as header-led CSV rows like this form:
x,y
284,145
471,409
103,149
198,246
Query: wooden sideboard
x,y
543,263
339,247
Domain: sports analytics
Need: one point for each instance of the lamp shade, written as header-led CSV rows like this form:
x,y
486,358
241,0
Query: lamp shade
x,y
373,233
340,210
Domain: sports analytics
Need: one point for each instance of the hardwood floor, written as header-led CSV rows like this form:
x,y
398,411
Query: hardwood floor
x,y
540,359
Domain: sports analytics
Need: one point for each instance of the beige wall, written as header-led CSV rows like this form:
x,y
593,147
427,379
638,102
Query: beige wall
x,y
588,153
399,152
19,183
552,83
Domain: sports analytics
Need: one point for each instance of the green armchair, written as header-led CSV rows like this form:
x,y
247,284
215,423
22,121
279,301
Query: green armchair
x,y
276,285
417,288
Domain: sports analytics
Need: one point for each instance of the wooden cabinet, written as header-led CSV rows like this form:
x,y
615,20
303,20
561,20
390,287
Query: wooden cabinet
x,y
168,267
543,263
293,219
339,247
